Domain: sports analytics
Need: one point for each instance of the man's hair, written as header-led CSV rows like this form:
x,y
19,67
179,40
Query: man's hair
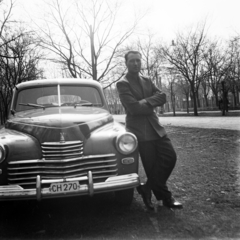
x,y
131,52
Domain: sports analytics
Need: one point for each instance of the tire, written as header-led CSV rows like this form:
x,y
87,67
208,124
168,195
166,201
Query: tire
x,y
124,197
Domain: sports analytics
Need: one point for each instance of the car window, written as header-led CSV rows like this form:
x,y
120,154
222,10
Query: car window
x,y
53,99
80,93
48,96
31,95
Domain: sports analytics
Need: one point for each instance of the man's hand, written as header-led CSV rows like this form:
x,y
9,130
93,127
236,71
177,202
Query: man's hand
x,y
142,101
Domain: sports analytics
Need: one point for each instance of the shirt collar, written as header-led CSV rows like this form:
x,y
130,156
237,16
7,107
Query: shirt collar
x,y
133,77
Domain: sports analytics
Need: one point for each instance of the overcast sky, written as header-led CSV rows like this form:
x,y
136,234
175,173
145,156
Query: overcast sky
x,y
164,18
167,17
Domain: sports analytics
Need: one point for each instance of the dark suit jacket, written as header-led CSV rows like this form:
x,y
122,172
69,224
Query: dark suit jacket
x,y
140,115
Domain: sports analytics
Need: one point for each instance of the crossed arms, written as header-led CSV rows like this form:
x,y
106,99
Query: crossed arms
x,y
144,106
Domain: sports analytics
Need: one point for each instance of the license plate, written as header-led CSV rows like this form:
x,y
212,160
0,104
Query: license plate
x,y
64,187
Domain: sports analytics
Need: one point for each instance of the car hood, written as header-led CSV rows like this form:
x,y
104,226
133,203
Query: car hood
x,y
55,124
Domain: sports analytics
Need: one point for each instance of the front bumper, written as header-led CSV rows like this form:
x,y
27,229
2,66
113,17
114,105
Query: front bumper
x,y
116,183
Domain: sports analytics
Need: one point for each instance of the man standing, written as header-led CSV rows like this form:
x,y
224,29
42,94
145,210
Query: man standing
x,y
139,97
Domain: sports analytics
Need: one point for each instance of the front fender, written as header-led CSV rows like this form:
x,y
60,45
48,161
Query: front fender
x,y
19,146
103,141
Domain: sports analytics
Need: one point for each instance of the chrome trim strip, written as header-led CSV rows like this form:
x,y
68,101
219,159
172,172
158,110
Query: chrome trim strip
x,y
48,153
63,160
11,187
61,144
38,188
63,172
65,180
62,149
62,155
90,183
62,167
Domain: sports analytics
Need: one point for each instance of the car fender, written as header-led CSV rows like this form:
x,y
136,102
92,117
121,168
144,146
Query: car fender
x,y
103,140
19,146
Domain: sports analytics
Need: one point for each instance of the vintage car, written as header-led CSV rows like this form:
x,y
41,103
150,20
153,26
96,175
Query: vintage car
x,y
60,140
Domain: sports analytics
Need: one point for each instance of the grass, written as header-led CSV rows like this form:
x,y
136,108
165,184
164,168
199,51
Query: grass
x,y
205,179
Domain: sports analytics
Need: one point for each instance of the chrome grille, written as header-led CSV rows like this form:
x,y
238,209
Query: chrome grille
x,y
61,160
58,150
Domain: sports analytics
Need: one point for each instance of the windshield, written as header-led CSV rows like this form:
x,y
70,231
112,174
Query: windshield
x,y
47,96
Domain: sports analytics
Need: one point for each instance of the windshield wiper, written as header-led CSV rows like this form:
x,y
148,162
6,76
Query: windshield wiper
x,y
83,104
32,105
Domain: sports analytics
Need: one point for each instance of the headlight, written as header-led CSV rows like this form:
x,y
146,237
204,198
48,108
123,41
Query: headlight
x,y
2,153
126,143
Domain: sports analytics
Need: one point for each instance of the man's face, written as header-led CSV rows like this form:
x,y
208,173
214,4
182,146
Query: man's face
x,y
133,63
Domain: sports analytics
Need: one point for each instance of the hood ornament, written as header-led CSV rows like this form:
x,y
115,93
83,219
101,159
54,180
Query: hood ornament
x,y
62,139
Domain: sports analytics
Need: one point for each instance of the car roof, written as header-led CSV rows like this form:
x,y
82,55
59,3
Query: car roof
x,y
56,81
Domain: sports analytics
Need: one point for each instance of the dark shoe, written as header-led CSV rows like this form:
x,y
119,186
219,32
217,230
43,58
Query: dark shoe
x,y
146,194
172,203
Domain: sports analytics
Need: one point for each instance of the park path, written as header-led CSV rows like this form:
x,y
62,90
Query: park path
x,y
218,122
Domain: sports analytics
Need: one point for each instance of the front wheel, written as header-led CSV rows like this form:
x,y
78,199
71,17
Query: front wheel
x,y
124,197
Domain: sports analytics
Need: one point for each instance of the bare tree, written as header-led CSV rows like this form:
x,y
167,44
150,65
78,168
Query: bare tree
x,y
87,45
173,86
18,63
185,90
233,79
216,60
151,63
5,19
206,89
6,14
185,56
172,93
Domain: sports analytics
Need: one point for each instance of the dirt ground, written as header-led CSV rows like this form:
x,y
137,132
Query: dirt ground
x,y
206,180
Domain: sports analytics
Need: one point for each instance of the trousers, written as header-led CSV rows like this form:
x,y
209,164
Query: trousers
x,y
158,159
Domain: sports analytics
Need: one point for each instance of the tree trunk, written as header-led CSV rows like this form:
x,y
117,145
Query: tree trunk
x,y
198,101
206,100
216,99
224,99
173,104
195,105
237,96
234,99
194,101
